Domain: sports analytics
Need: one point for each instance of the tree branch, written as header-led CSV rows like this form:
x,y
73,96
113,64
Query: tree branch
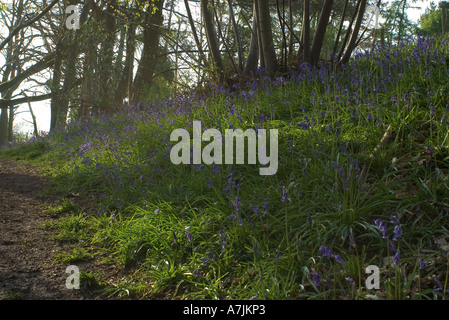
x,y
26,24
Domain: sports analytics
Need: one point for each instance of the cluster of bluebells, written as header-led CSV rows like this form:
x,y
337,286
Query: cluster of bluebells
x,y
112,146
326,252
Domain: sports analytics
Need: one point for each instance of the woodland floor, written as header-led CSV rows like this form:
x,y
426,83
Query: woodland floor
x,y
27,252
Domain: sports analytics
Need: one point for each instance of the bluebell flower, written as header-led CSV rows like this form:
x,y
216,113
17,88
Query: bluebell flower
x,y
325,251
396,259
382,227
188,235
397,232
394,220
392,246
284,194
255,209
237,204
422,263
316,278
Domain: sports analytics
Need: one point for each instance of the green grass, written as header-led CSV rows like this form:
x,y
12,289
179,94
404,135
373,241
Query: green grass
x,y
225,232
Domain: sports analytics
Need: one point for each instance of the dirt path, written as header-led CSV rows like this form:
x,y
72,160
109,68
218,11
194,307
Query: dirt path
x,y
27,268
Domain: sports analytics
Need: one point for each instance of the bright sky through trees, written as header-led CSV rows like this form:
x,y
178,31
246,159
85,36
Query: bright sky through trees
x,y
42,109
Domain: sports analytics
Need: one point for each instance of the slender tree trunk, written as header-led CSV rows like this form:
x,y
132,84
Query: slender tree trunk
x,y
106,60
348,31
259,35
194,33
342,20
212,41
355,33
151,36
305,36
4,125
253,54
33,117
318,39
89,99
124,83
266,36
55,86
236,35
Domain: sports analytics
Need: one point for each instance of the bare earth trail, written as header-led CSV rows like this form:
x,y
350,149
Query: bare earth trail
x,y
27,252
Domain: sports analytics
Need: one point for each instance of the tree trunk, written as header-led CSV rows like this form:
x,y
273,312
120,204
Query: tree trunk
x,y
305,36
106,61
236,35
55,86
60,104
355,33
266,36
148,60
342,20
124,83
4,126
318,39
212,41
253,54
195,34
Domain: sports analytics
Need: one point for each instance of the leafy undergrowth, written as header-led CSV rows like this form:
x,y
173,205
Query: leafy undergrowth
x,y
362,180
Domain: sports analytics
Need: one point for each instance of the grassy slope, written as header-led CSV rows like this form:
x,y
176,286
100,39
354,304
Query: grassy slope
x,y
225,232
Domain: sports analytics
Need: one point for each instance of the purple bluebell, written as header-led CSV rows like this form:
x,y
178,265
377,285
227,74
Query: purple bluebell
x,y
325,251
284,194
394,220
382,227
188,235
422,263
338,258
396,259
316,278
237,204
397,232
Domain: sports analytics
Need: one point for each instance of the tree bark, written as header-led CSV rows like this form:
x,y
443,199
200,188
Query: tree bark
x,y
236,35
318,38
355,33
212,40
305,37
106,56
342,20
253,54
124,83
266,37
151,37
195,34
